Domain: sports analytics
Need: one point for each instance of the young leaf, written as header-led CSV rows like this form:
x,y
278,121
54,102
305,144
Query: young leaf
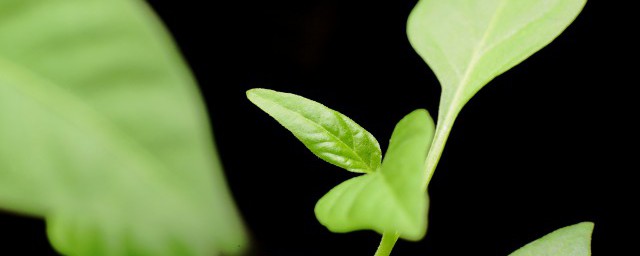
x,y
573,240
467,42
391,199
103,133
328,134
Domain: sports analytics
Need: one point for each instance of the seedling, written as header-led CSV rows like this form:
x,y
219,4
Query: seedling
x,y
467,44
103,134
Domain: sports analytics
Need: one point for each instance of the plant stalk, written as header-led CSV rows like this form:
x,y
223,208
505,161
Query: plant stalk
x,y
443,128
386,244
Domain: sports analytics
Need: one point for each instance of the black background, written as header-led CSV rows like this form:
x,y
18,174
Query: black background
x,y
545,145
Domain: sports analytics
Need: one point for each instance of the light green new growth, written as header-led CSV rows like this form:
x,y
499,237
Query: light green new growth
x,y
328,134
389,198
573,240
468,42
103,133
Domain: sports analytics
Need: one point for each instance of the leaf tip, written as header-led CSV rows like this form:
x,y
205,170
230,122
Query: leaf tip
x,y
257,96
421,112
572,240
252,92
587,226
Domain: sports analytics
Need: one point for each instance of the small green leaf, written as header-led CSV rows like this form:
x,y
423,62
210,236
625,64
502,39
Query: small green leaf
x,y
392,199
103,133
328,134
468,42
573,240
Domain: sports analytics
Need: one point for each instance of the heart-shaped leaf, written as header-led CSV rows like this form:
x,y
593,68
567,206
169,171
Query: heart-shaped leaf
x,y
468,42
392,199
574,240
103,133
330,135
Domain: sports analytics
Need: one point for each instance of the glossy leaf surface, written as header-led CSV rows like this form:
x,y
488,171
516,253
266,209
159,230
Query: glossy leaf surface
x,y
330,135
391,199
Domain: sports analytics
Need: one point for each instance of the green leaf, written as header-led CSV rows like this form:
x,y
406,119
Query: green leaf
x,y
103,133
573,240
391,199
467,42
328,134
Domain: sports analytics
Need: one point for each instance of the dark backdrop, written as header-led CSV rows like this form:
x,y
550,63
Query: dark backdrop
x,y
545,145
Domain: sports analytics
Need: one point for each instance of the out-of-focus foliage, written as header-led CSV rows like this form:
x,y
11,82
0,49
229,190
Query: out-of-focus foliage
x,y
103,133
574,240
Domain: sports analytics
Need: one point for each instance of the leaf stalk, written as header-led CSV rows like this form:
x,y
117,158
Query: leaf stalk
x,y
386,244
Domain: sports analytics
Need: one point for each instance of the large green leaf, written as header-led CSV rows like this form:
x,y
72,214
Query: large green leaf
x,y
103,133
468,42
392,199
328,134
574,240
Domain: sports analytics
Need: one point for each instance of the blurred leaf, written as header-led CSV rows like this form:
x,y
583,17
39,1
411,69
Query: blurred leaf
x,y
103,133
391,199
573,240
328,134
467,42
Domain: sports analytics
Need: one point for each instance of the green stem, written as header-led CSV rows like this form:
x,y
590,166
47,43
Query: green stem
x,y
443,129
386,245
445,122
